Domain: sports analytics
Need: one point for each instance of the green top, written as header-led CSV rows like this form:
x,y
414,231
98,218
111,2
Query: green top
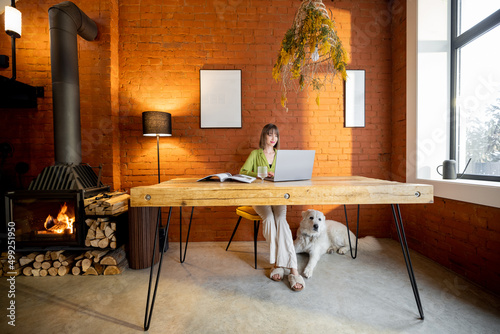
x,y
255,159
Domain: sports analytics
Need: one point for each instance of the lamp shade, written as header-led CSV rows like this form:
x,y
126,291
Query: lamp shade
x,y
13,21
156,123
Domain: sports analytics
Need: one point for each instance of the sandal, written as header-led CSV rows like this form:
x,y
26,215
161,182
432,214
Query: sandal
x,y
294,280
277,271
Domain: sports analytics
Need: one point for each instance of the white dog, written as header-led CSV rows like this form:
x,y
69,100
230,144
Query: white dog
x,y
318,236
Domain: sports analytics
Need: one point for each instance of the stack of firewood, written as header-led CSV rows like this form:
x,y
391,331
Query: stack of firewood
x,y
60,263
101,262
101,233
106,204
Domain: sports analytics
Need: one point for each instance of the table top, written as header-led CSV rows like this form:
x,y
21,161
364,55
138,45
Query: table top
x,y
324,190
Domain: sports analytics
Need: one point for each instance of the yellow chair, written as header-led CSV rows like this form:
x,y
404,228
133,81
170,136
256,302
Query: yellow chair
x,y
249,213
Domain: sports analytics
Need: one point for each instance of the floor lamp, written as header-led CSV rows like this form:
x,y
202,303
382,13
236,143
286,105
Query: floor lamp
x,y
159,124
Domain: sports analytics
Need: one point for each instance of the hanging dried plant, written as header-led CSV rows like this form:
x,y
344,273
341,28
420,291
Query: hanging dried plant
x,y
311,52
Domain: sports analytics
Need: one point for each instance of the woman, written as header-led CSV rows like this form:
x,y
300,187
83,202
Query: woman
x,y
274,225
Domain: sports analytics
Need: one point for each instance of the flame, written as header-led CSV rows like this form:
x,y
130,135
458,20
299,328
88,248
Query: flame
x,y
61,223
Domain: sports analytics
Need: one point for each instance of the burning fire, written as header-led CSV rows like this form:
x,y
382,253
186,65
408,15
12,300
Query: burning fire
x,y
61,223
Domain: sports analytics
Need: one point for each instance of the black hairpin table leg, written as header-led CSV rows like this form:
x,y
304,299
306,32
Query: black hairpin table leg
x,y
406,253
149,308
181,258
349,235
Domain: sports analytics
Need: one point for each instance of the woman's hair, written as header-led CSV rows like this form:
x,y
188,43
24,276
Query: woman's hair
x,y
269,129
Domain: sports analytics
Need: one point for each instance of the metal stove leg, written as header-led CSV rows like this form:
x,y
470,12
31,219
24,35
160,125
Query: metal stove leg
x,y
349,235
181,258
149,308
406,253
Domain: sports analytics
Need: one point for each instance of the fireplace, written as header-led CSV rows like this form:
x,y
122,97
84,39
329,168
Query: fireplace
x,y
51,212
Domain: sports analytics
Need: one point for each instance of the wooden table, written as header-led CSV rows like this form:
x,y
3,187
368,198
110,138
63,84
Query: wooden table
x,y
317,191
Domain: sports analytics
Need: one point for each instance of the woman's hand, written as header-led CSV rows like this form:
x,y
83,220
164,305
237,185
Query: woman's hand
x,y
270,174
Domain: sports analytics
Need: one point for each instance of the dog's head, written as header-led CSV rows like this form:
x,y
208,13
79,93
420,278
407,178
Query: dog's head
x,y
313,223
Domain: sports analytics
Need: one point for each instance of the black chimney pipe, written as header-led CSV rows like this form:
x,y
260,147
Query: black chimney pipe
x,y
66,20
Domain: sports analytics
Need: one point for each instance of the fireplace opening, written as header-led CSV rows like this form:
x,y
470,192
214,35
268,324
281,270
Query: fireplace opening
x,y
52,218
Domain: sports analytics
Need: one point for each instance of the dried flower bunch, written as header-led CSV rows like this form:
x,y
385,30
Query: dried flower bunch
x,y
311,52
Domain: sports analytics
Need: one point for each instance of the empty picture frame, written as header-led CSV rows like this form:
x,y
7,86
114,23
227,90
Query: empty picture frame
x,y
354,99
220,99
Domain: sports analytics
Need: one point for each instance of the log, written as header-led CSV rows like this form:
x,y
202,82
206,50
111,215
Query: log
x,y
114,258
78,263
86,263
46,264
98,255
63,270
76,270
91,234
94,243
35,272
108,232
32,255
99,234
52,271
43,272
112,244
69,260
87,243
37,265
55,255
90,271
25,260
46,256
103,243
40,258
56,264
27,271
115,270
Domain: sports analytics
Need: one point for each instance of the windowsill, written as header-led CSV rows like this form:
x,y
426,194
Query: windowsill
x,y
471,191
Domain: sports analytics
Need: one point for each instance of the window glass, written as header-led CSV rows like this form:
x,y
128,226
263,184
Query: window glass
x,y
478,105
472,12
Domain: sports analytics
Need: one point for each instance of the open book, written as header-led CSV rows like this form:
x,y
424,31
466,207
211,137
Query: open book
x,y
227,176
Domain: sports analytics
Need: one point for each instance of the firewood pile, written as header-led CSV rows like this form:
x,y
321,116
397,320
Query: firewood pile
x,y
106,204
60,263
101,233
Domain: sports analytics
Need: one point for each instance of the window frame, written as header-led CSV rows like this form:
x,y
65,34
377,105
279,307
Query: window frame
x,y
458,41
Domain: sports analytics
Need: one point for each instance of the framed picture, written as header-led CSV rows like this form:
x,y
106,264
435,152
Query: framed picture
x,y
220,99
354,99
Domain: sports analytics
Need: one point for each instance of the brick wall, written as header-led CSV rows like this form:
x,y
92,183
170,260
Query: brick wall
x,y
461,236
164,45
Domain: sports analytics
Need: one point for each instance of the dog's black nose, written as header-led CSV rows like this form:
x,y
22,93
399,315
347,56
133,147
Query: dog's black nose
x,y
315,227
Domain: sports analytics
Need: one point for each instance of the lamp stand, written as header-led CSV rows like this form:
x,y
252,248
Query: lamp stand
x,y
163,234
13,58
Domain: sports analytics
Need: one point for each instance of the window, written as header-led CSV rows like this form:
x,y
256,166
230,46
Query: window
x,y
430,85
475,88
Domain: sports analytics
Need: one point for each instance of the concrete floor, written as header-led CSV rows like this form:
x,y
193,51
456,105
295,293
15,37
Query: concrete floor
x,y
216,291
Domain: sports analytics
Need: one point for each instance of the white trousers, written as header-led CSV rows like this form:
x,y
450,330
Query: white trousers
x,y
278,235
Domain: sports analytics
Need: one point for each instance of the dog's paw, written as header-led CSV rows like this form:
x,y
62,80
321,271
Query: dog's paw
x,y
343,250
308,273
331,250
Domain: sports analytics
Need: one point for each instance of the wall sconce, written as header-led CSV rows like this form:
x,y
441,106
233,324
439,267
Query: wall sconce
x,y
13,26
13,21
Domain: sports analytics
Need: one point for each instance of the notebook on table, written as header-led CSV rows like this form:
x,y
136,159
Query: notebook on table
x,y
293,165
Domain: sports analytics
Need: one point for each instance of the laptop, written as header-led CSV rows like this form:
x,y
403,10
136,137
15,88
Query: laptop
x,y
293,165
